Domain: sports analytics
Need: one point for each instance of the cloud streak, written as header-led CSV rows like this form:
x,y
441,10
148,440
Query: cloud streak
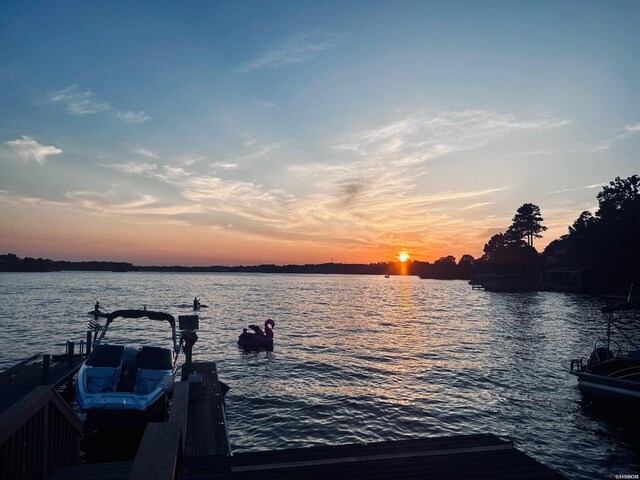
x,y
629,130
586,187
85,102
295,50
26,148
428,135
79,103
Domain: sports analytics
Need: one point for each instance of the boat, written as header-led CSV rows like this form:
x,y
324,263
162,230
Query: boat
x,y
126,378
611,374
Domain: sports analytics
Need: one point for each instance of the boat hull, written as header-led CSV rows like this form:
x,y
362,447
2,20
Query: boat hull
x,y
115,400
609,388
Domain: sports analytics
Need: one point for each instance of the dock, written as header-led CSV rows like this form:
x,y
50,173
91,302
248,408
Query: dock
x,y
193,444
36,370
463,456
39,431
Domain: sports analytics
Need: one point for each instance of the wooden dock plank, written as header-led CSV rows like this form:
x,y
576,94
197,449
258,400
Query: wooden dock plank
x,y
157,456
180,410
206,430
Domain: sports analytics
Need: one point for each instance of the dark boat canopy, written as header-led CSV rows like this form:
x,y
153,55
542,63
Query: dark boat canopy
x,y
140,314
630,305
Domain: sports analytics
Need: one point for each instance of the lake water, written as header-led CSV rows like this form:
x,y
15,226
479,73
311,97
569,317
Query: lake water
x,y
360,358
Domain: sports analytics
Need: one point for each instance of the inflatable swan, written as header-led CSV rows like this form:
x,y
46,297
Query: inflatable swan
x,y
258,338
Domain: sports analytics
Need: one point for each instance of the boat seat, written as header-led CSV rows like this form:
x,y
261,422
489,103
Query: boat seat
x,y
146,380
102,379
155,358
106,356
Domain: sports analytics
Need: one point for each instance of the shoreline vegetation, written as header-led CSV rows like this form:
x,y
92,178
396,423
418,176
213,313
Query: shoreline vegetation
x,y
599,254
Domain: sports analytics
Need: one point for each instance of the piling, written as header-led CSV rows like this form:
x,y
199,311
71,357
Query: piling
x,y
71,346
46,367
89,339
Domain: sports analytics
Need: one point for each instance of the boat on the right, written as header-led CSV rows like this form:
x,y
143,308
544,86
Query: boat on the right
x,y
611,373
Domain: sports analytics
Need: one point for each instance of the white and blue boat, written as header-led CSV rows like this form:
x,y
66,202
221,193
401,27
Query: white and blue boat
x,y
121,377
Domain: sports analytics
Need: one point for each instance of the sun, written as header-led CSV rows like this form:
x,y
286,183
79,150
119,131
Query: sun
x,y
403,256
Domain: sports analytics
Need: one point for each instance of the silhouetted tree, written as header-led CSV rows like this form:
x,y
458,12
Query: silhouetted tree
x,y
606,242
582,225
500,243
445,267
620,199
466,266
506,253
527,223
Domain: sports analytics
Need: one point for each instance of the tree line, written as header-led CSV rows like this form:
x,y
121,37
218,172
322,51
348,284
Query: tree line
x,y
604,244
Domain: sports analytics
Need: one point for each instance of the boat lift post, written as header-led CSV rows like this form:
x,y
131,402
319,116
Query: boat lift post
x,y
188,324
89,340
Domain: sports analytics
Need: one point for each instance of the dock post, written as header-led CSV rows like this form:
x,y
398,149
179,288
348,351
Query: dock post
x,y
70,354
89,339
46,363
188,324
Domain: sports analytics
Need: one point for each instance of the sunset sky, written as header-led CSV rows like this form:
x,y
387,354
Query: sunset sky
x,y
202,133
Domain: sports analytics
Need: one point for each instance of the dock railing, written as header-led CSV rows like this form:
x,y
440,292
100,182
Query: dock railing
x,y
38,433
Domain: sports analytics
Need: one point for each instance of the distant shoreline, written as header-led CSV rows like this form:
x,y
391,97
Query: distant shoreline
x,y
12,263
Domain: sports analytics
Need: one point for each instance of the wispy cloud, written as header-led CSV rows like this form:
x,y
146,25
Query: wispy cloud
x,y
248,140
586,187
427,135
135,168
265,103
79,102
295,50
245,199
133,117
225,165
147,153
253,156
20,199
477,205
26,148
373,191
629,130
115,202
85,102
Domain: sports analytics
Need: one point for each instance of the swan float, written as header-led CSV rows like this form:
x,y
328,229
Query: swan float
x,y
257,339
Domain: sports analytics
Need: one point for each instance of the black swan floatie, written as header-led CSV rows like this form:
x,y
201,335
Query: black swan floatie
x,y
257,339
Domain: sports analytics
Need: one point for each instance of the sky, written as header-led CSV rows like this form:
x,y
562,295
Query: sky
x,y
227,133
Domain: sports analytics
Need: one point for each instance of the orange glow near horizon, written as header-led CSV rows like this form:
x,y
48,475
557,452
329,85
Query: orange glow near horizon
x,y
74,235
